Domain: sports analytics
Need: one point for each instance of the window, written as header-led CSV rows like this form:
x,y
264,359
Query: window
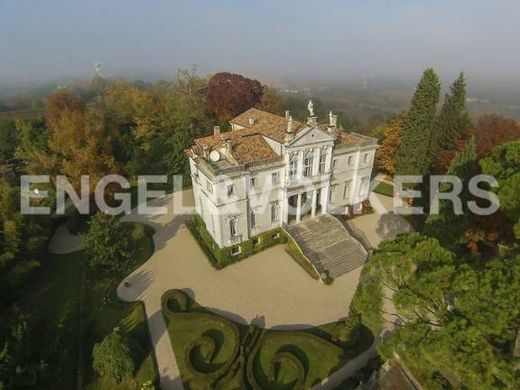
x,y
365,158
334,163
307,164
253,219
363,190
275,212
230,190
235,250
275,178
346,189
323,159
233,227
252,182
209,187
293,167
349,160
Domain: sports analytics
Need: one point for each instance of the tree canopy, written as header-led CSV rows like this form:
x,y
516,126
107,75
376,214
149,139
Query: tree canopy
x,y
456,321
108,244
113,357
504,165
230,94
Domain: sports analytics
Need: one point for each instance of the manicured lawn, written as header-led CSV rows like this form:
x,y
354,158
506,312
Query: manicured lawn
x,y
57,296
205,345
384,188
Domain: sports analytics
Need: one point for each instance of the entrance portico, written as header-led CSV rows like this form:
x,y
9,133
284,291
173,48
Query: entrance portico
x,y
299,205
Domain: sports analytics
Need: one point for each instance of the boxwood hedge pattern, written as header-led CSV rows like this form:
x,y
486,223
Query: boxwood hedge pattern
x,y
247,357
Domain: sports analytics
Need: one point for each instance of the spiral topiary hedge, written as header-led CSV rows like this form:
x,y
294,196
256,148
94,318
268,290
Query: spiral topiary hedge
x,y
176,304
215,352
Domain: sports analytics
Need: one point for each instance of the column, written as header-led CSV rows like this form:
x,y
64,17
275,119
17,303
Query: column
x,y
299,170
298,207
325,199
285,209
316,161
313,209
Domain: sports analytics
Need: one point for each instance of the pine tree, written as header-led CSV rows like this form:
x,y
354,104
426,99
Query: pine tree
x,y
453,120
415,157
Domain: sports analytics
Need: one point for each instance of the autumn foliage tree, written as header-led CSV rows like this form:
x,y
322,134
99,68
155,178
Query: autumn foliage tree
x,y
271,101
60,103
231,94
387,152
490,131
79,144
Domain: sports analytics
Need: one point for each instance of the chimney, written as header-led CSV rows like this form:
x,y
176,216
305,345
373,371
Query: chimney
x,y
252,120
216,130
289,133
287,114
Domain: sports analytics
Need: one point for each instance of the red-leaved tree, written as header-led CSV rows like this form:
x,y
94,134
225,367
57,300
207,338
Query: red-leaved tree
x,y
490,131
231,94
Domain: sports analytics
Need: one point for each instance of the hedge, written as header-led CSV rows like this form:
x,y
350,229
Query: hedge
x,y
222,257
175,303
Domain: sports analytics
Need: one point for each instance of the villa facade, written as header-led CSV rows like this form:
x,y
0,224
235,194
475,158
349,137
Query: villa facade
x,y
271,170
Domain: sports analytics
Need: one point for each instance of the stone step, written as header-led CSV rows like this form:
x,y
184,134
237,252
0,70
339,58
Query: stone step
x,y
326,242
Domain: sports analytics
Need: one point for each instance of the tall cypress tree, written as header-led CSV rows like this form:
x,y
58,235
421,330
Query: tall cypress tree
x,y
447,227
415,156
453,120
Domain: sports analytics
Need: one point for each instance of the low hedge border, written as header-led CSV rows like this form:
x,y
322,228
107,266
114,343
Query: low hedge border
x,y
222,257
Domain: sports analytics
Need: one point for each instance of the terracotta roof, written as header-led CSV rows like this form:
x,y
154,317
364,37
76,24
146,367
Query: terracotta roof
x,y
252,148
270,125
248,144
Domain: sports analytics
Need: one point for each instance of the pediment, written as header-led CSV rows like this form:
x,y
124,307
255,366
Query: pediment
x,y
311,135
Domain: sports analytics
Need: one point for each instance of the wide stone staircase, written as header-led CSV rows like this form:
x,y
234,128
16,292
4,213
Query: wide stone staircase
x,y
329,245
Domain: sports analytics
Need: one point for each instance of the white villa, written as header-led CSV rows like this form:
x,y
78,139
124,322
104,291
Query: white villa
x,y
271,170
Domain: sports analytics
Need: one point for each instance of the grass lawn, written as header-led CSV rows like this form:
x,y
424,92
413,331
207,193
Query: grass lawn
x,y
267,359
57,296
384,188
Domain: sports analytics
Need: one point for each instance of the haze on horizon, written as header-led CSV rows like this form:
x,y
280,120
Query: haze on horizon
x,y
273,40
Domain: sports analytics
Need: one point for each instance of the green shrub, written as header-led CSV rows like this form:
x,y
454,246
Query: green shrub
x,y
222,257
113,357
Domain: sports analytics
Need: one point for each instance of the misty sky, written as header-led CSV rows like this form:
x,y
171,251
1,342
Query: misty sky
x,y
268,39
